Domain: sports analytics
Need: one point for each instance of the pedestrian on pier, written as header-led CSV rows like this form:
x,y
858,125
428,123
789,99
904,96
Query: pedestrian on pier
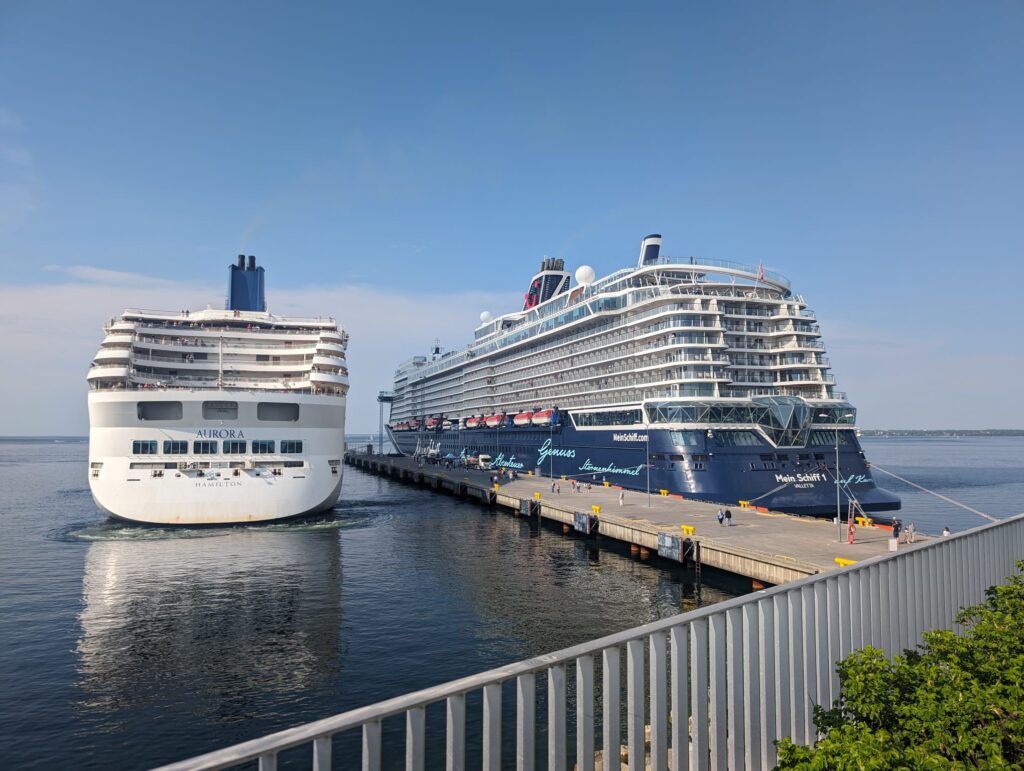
x,y
720,517
558,489
896,527
911,532
552,487
945,532
728,518
622,495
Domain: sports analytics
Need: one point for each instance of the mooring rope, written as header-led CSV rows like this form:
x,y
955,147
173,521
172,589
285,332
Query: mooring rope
x,y
937,495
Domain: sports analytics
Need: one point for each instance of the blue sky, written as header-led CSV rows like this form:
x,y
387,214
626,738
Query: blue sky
x,y
414,162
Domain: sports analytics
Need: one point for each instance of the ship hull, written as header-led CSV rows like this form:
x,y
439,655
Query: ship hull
x,y
797,480
218,489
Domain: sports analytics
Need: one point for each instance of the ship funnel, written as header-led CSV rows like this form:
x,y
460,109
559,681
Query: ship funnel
x,y
245,286
650,248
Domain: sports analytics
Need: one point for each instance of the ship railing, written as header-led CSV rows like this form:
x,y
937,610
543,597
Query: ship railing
x,y
704,262
575,361
187,326
710,688
253,316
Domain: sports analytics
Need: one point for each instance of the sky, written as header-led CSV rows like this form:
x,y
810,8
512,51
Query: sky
x,y
406,166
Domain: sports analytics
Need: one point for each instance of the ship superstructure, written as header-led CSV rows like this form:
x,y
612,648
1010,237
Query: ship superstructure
x,y
217,416
708,376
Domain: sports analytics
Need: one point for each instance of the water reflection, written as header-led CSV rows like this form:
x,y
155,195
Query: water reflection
x,y
218,626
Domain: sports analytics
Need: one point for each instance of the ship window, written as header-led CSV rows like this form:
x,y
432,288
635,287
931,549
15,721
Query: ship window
x,y
291,446
143,447
737,439
234,446
262,446
175,447
608,418
220,410
282,411
204,447
684,438
159,410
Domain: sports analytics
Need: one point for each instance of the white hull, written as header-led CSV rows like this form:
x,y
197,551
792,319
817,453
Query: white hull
x,y
204,489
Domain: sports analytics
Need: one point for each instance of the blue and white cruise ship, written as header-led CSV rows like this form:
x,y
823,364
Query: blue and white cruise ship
x,y
701,377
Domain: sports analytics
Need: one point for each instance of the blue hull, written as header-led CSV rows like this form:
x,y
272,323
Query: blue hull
x,y
799,480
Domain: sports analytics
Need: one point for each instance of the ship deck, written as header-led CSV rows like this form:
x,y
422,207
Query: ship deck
x,y
765,546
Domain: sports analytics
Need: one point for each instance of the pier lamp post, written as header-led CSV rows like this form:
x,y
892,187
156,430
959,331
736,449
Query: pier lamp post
x,y
839,511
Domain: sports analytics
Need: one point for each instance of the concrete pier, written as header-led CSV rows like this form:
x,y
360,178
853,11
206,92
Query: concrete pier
x,y
768,547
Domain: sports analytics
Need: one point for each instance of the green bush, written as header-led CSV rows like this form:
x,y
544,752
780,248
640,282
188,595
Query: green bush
x,y
955,702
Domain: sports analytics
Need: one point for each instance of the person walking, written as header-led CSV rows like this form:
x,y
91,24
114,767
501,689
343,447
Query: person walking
x,y
728,518
945,532
622,495
896,527
720,517
911,531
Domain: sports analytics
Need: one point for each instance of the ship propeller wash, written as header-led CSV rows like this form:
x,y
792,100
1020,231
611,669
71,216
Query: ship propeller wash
x,y
699,377
217,416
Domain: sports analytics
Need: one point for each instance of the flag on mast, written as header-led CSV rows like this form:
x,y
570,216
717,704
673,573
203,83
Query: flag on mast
x,y
760,270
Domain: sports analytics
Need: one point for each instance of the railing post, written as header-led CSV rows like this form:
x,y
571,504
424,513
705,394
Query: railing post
x,y
751,687
680,693
268,761
526,704
783,667
810,663
322,753
713,654
766,642
699,664
415,733
734,684
492,727
556,718
371,745
659,703
611,714
635,703
455,736
585,713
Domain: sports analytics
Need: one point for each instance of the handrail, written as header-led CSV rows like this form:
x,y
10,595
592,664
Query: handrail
x,y
773,647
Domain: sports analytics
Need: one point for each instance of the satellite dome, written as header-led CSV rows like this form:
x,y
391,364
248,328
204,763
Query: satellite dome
x,y
585,275
485,317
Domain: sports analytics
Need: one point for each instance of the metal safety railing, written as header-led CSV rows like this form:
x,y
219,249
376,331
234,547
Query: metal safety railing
x,y
712,688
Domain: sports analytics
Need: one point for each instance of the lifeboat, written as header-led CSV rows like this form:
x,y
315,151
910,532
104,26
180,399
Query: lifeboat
x,y
543,418
523,418
493,421
472,422
413,425
445,425
432,423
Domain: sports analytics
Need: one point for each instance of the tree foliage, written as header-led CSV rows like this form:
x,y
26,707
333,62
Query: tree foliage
x,y
955,702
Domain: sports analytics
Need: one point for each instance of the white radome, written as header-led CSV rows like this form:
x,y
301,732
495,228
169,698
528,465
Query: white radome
x,y
585,275
485,317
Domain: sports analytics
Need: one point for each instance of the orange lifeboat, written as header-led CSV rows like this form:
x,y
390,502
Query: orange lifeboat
x,y
543,418
472,422
523,418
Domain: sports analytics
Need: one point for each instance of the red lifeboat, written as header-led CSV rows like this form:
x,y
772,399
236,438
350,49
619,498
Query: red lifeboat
x,y
543,418
432,422
472,422
414,424
523,418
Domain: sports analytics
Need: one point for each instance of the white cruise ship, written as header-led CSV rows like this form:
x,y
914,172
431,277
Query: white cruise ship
x,y
217,416
698,377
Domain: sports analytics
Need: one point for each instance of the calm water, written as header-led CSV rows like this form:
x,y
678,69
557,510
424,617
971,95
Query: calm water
x,y
126,647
